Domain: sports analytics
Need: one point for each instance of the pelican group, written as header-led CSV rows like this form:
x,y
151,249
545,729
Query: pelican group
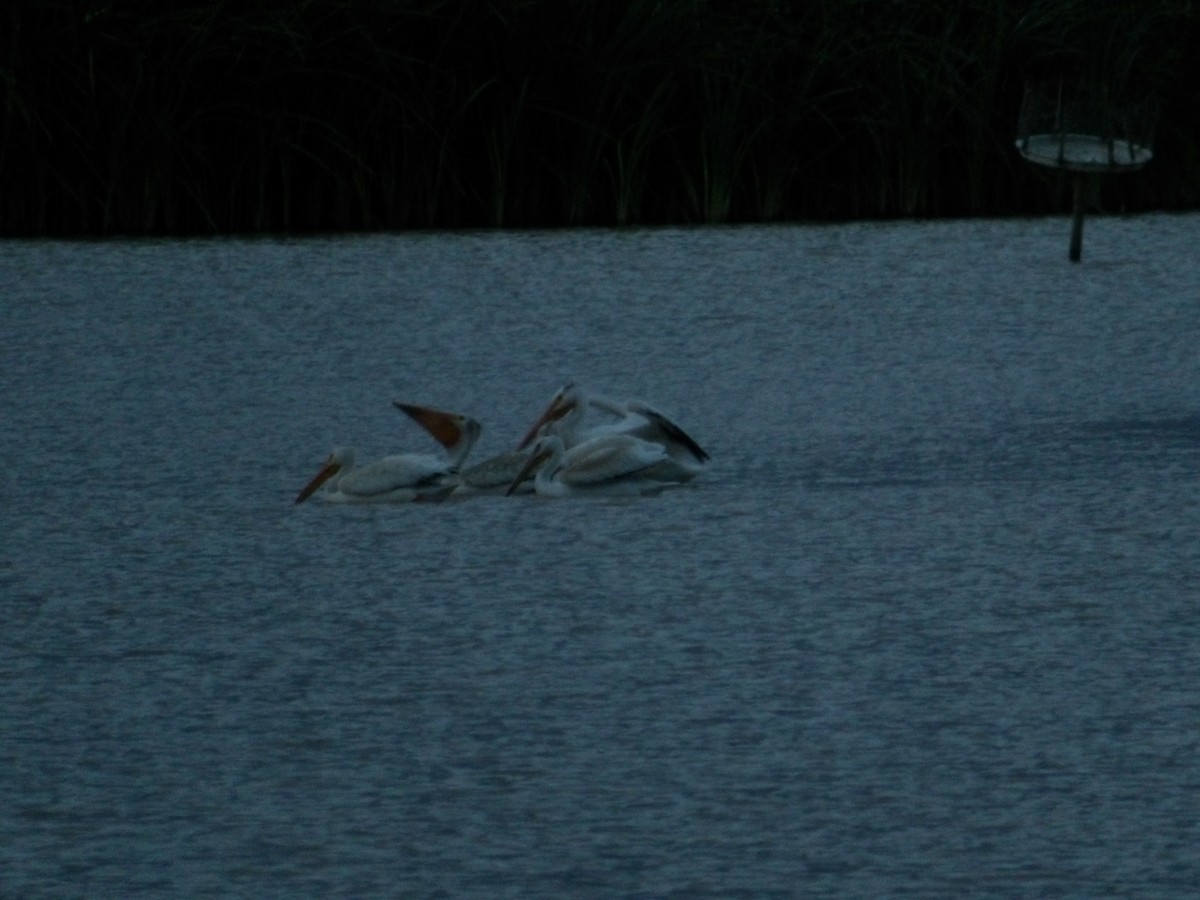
x,y
581,443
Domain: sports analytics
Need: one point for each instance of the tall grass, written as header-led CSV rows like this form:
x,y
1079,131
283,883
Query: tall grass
x,y
210,116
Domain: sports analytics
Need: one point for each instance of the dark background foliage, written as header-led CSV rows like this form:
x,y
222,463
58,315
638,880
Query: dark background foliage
x,y
177,117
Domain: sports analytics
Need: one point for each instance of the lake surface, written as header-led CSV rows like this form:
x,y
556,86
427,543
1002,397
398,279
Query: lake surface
x,y
929,626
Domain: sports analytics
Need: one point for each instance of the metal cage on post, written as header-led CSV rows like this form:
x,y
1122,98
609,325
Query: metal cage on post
x,y
1086,131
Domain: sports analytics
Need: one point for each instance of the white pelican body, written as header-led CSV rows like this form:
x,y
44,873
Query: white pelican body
x,y
568,409
610,463
404,477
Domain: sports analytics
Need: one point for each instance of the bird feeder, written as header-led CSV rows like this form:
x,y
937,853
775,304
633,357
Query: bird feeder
x,y
1082,131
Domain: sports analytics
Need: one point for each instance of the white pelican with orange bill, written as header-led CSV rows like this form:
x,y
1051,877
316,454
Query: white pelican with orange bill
x,y
619,464
568,410
404,477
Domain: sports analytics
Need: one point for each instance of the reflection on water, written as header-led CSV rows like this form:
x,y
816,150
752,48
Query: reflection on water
x,y
927,625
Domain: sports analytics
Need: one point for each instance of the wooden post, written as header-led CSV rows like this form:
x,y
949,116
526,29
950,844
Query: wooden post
x,y
1077,217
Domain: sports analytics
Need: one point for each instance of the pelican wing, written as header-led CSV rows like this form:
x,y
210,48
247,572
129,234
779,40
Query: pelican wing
x,y
609,458
659,428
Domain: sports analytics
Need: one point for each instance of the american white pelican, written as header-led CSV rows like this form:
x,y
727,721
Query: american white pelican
x,y
404,477
492,475
568,409
456,433
401,478
610,464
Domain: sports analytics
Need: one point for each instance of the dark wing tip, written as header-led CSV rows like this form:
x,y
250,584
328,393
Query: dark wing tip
x,y
676,433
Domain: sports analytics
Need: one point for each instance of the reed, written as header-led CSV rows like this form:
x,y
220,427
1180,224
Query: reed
x,y
202,116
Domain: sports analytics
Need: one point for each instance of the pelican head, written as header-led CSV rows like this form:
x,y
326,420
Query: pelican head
x,y
339,459
566,400
543,451
457,433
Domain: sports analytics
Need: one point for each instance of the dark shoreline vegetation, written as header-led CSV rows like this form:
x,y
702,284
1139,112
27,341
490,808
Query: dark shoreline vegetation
x,y
172,117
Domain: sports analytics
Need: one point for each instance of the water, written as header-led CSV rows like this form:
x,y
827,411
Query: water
x,y
928,627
